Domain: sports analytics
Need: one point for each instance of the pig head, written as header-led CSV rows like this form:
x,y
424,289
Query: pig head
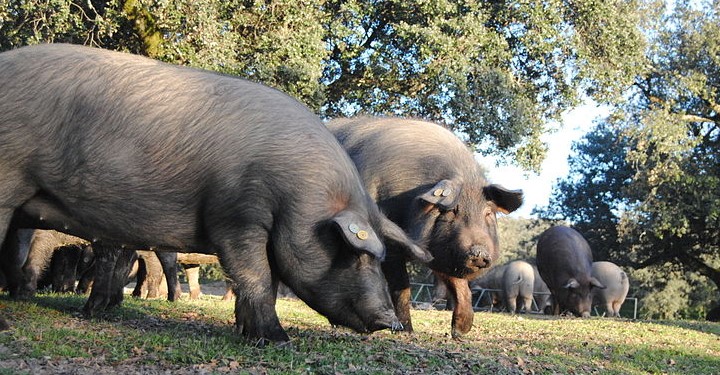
x,y
427,181
564,261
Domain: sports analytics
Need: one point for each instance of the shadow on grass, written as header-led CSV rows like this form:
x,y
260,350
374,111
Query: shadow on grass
x,y
149,331
696,325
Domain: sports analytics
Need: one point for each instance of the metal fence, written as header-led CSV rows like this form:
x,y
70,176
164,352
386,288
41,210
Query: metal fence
x,y
422,298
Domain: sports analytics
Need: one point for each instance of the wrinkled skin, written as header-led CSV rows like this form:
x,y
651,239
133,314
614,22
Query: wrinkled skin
x,y
564,260
428,182
616,285
138,154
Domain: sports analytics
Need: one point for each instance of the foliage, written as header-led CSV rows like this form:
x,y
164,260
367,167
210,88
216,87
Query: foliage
x,y
644,185
518,237
594,194
668,293
145,336
493,71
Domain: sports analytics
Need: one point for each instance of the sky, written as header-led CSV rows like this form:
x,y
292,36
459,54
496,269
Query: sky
x,y
537,188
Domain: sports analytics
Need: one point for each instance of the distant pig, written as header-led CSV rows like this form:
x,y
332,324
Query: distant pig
x,y
428,182
616,287
133,153
541,293
564,261
518,282
50,254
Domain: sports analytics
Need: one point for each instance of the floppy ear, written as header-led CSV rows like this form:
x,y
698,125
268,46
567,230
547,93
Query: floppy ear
x,y
571,284
506,200
444,194
395,235
596,283
358,233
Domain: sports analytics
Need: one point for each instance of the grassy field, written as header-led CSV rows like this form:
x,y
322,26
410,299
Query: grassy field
x,y
197,337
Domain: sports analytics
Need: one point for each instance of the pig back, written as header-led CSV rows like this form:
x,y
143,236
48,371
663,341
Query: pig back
x,y
562,253
140,139
396,155
613,278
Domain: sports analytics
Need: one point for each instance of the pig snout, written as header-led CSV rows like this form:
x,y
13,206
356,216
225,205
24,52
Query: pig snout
x,y
376,322
585,314
479,257
386,320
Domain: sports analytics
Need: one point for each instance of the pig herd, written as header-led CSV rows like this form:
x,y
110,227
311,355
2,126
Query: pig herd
x,y
128,153
564,280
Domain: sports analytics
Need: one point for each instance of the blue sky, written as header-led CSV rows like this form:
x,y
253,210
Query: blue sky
x,y
537,188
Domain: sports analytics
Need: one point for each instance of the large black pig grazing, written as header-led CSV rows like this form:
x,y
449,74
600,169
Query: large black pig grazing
x,y
427,181
564,260
129,152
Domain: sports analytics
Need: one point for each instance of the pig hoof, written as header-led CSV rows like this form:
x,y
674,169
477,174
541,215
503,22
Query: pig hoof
x,y
396,327
264,342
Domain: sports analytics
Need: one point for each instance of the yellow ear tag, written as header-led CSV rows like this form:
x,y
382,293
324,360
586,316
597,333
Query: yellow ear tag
x,y
363,235
438,192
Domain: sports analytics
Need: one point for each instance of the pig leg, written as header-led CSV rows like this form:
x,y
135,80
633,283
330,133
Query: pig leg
x,y
168,260
463,313
399,287
141,280
153,274
112,266
229,294
245,261
124,264
610,308
511,303
86,271
14,254
38,261
192,272
527,303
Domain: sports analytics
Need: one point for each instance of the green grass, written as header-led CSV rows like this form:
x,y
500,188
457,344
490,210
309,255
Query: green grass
x,y
199,335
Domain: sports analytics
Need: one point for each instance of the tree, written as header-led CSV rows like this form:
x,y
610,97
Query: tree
x,y
653,200
518,238
674,120
496,71
594,194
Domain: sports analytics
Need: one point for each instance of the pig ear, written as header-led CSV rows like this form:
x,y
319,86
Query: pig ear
x,y
359,234
596,283
571,284
444,194
506,200
395,235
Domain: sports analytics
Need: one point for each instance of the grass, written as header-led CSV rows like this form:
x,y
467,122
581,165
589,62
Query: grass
x,y
198,336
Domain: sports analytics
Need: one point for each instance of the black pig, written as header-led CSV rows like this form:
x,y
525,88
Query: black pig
x,y
427,181
564,261
133,153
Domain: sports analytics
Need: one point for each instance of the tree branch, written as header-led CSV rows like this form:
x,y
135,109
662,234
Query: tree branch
x,y
701,267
